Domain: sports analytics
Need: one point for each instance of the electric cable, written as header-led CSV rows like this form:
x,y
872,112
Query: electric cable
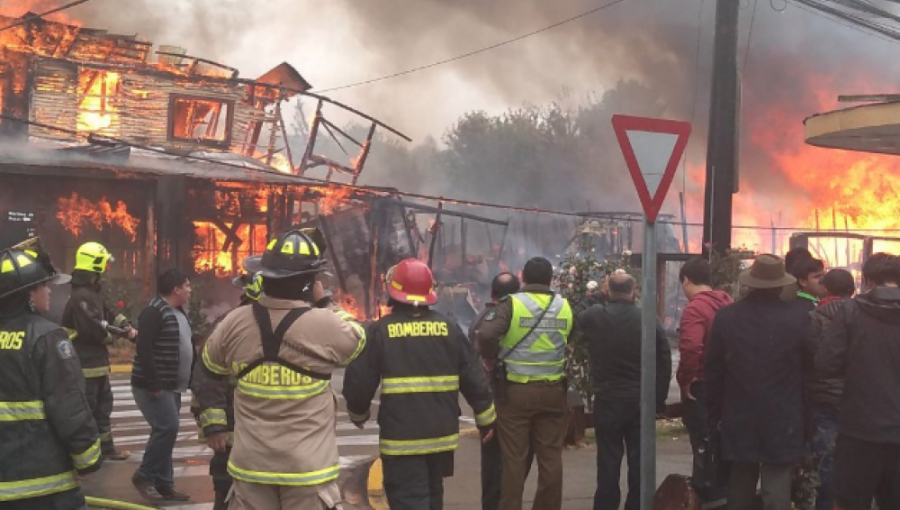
x,y
300,180
474,52
41,15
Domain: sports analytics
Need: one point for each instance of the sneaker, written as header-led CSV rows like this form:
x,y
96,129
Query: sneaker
x,y
170,494
117,455
145,488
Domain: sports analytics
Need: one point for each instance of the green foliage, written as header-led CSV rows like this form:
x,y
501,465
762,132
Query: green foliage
x,y
576,270
726,267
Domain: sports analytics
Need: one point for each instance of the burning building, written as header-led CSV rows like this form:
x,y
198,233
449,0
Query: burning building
x,y
167,159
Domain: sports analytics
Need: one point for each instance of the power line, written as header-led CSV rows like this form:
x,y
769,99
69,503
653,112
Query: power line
x,y
472,53
848,20
391,192
41,15
749,37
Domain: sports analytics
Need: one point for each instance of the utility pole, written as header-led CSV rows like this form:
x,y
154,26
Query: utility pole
x,y
721,151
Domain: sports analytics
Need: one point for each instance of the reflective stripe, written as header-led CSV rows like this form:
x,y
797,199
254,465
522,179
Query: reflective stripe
x,y
419,384
356,418
487,417
419,446
541,356
282,392
19,411
360,334
295,479
35,487
213,417
71,333
93,373
88,458
214,368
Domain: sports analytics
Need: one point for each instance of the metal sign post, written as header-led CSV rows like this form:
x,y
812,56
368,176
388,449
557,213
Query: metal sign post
x,y
648,366
652,149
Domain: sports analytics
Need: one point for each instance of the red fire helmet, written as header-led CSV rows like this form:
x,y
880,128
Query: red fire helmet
x,y
411,282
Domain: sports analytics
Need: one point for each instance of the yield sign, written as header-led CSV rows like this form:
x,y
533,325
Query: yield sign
x,y
652,150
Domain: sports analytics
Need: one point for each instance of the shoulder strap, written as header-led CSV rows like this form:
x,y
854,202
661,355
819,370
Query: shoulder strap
x,y
271,341
533,327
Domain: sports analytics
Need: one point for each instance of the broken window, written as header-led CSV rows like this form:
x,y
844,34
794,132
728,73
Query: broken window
x,y
97,108
202,120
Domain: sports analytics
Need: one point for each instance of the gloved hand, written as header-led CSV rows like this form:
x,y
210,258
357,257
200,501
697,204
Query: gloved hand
x,y
358,419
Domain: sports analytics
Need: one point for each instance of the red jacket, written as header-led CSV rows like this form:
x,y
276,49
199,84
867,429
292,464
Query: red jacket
x,y
696,324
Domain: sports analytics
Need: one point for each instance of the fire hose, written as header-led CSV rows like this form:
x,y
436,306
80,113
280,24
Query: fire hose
x,y
111,504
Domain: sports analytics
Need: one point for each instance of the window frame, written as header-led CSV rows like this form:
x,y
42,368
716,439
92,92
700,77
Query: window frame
x,y
229,121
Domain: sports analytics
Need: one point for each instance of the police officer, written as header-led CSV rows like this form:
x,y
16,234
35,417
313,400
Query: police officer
x,y
526,340
422,361
86,316
216,387
47,433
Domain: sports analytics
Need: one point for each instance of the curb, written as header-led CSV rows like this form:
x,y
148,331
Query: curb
x,y
120,369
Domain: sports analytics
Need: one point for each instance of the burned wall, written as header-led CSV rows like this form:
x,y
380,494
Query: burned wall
x,y
182,113
68,211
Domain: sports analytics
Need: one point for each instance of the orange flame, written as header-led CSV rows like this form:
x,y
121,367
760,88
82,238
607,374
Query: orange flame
x,y
210,241
96,110
331,198
75,212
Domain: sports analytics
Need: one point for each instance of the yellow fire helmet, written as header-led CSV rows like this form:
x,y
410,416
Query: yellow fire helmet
x,y
251,285
92,257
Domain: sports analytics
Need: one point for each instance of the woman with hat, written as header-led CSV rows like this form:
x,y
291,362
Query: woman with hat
x,y
755,387
47,433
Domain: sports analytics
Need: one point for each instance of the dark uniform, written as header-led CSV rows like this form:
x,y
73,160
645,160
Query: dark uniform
x,y
422,361
218,465
84,316
47,434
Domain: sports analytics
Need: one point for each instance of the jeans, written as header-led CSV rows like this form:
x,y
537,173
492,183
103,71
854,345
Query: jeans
x,y
695,416
825,425
617,426
162,414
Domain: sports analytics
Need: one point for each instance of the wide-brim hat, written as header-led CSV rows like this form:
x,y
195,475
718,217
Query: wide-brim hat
x,y
767,272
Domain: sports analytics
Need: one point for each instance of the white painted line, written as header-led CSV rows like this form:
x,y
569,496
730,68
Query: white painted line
x,y
142,438
369,440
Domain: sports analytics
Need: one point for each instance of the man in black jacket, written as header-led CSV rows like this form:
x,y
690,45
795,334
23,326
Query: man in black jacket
x,y
862,344
47,434
503,285
823,394
160,374
755,388
422,361
613,334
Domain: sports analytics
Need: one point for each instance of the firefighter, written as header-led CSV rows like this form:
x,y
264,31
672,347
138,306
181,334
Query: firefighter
x,y
218,466
282,351
422,361
87,317
47,434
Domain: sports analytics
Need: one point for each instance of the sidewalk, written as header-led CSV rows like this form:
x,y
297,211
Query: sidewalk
x,y
463,491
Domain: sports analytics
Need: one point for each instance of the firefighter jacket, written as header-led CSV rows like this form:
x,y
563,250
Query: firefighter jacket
x,y
83,316
422,361
284,421
47,432
530,351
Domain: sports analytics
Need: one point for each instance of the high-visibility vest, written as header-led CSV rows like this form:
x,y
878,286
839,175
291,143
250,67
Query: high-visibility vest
x,y
541,356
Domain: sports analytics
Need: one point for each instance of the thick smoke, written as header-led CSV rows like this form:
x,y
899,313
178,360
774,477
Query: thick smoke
x,y
796,65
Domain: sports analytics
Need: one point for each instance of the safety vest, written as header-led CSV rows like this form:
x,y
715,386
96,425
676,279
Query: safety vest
x,y
542,355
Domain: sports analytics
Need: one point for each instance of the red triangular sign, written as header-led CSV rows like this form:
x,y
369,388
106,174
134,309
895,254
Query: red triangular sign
x,y
652,150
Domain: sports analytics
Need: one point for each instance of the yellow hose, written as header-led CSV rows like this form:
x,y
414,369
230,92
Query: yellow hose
x,y
115,505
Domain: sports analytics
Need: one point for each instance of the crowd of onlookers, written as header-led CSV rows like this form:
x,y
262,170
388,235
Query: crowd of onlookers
x,y
794,388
